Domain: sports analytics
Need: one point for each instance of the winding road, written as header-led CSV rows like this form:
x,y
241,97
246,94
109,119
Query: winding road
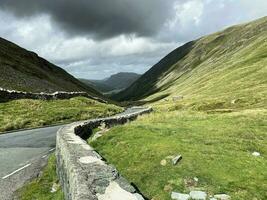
x,y
23,154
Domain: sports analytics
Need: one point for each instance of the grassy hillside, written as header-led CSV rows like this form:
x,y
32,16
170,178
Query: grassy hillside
x,y
115,82
217,125
231,61
27,113
26,71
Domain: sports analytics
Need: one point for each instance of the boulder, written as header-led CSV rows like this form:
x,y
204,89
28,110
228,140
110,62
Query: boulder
x,y
198,195
222,197
176,159
179,196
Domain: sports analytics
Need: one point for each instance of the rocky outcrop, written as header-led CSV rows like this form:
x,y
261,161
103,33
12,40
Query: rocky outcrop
x,y
83,174
7,95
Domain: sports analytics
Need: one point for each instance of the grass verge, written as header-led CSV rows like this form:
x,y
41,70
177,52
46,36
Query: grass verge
x,y
40,188
27,113
216,147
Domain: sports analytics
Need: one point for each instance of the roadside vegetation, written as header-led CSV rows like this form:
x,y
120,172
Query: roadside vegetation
x,y
27,113
211,108
39,113
216,148
40,188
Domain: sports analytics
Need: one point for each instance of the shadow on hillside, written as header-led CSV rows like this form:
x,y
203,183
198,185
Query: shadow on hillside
x,y
141,103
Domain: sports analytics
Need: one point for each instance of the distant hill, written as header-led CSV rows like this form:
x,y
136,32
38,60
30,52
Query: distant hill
x,y
116,82
25,71
227,64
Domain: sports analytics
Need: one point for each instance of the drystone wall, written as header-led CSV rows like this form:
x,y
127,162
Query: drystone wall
x,y
83,173
7,95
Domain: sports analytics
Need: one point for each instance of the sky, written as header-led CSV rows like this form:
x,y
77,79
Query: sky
x,y
94,39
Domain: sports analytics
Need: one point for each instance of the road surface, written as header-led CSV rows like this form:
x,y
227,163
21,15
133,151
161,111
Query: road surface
x,y
24,153
22,156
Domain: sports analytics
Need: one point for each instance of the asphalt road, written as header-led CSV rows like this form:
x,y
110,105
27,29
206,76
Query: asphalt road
x,y
24,153
22,156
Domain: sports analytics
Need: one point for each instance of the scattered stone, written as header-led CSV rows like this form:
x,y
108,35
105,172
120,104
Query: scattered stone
x,y
179,196
198,195
102,126
138,196
115,192
196,179
176,159
213,198
222,197
55,187
163,162
233,101
256,154
176,98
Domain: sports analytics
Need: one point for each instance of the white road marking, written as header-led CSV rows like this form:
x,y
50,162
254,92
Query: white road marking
x,y
44,156
16,171
52,149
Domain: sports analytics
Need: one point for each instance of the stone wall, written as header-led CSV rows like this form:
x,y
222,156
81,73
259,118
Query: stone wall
x,y
7,95
83,173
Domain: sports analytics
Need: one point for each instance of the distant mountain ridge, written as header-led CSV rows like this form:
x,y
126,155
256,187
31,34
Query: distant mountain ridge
x,y
232,61
23,70
115,82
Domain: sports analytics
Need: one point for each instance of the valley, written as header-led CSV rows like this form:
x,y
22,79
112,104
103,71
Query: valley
x,y
207,133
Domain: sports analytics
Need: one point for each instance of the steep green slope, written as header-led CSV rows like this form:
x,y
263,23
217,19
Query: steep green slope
x,y
26,71
219,126
228,64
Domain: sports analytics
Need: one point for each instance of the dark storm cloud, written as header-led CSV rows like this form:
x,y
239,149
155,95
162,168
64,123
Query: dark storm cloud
x,y
100,19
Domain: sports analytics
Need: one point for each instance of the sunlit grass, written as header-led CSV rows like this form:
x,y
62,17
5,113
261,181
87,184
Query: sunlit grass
x,y
28,113
216,148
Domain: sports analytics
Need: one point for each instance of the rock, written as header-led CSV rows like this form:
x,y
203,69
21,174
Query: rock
x,y
55,187
139,196
256,154
233,101
222,197
163,162
195,179
176,159
176,98
198,195
213,198
179,196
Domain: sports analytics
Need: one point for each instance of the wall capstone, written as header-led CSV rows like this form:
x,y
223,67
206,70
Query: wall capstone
x,y
83,173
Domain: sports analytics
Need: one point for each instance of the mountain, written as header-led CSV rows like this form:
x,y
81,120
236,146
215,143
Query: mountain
x,y
116,82
25,71
227,64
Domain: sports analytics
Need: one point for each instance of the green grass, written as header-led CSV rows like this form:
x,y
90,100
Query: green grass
x,y
28,113
40,188
216,148
219,123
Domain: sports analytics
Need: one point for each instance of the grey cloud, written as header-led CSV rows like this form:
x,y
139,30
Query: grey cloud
x,y
99,19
